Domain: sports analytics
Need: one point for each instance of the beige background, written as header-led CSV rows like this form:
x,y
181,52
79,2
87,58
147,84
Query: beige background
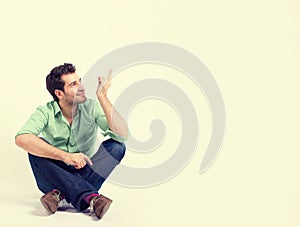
x,y
251,48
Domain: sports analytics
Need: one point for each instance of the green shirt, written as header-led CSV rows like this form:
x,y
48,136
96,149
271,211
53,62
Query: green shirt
x,y
81,136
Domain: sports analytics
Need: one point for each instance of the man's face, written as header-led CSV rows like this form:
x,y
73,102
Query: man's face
x,y
74,90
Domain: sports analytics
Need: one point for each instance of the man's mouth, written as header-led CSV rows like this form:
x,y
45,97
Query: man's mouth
x,y
80,94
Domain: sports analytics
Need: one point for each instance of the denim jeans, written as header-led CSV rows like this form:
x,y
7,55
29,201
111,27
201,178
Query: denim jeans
x,y
73,183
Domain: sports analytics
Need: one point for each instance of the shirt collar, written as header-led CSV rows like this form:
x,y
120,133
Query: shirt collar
x,y
56,108
79,108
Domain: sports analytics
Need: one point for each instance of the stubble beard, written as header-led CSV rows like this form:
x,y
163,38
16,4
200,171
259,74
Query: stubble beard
x,y
79,99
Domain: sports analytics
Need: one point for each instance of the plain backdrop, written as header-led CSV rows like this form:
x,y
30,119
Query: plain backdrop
x,y
251,48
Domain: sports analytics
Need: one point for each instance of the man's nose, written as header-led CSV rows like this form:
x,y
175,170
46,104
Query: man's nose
x,y
81,87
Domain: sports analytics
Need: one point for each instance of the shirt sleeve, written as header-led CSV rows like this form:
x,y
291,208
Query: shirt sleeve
x,y
35,123
101,121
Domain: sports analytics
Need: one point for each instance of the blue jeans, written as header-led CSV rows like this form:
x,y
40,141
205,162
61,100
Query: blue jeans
x,y
73,183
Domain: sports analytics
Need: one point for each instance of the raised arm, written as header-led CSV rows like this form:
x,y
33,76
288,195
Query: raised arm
x,y
115,121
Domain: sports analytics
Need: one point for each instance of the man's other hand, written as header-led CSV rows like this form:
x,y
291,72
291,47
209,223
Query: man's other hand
x,y
78,160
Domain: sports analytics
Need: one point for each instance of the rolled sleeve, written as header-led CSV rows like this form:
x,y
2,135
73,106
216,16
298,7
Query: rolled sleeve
x,y
101,121
114,136
35,123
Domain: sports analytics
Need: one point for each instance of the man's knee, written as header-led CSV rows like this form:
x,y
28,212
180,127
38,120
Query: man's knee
x,y
121,150
115,149
118,151
33,159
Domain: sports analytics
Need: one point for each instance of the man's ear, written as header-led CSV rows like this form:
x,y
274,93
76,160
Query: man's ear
x,y
59,93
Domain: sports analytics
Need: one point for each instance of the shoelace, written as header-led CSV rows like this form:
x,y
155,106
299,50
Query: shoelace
x,y
92,203
57,195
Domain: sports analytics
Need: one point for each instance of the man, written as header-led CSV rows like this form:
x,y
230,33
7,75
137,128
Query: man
x,y
63,160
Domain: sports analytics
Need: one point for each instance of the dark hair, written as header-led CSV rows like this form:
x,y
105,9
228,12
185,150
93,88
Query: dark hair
x,y
54,81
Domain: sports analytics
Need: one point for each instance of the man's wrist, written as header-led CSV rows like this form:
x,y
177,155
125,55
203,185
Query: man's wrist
x,y
102,97
64,156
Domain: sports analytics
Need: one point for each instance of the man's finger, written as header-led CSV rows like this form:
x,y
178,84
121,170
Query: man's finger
x,y
89,161
109,74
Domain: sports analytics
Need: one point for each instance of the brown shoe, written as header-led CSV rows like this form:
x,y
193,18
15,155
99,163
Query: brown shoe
x,y
51,200
100,205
